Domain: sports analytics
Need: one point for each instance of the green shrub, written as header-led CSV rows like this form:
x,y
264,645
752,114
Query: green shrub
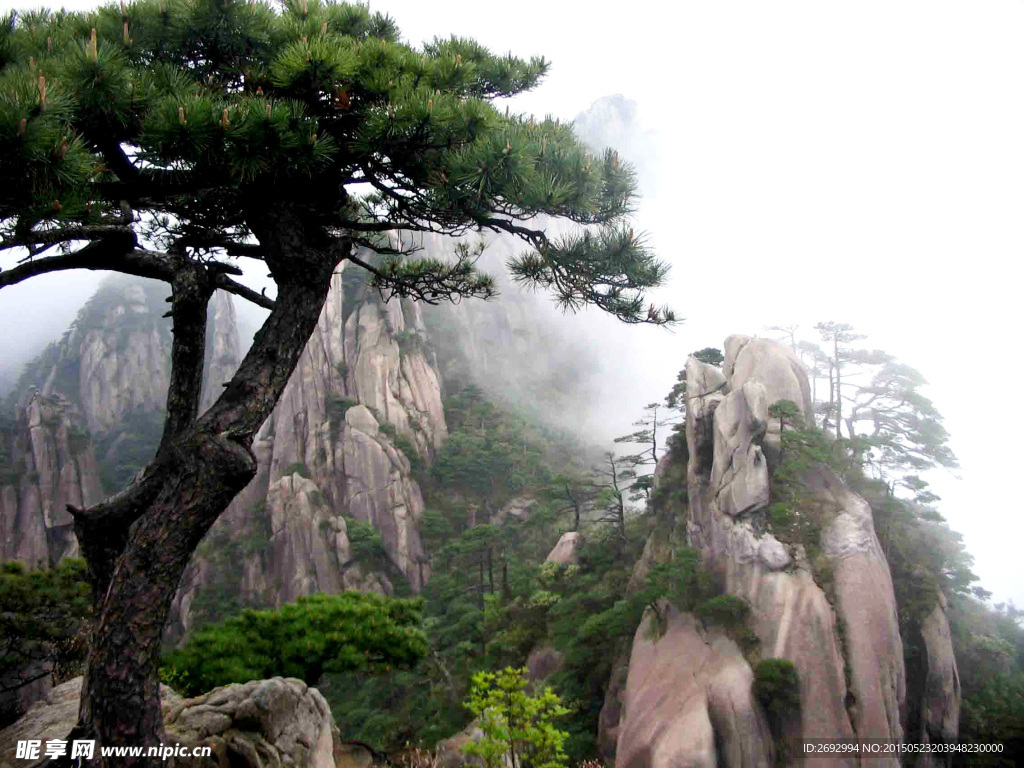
x,y
336,408
45,616
726,611
405,445
777,687
296,468
730,613
365,540
316,634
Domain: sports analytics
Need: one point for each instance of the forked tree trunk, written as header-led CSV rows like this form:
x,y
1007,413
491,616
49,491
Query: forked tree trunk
x,y
120,696
138,543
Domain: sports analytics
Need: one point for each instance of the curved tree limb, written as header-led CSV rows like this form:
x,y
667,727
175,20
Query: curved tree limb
x,y
115,254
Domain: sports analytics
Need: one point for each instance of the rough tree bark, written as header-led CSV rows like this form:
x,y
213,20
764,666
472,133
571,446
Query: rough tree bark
x,y
138,543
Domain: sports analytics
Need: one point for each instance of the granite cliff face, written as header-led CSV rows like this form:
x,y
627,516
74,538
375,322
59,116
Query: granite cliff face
x,y
87,413
687,697
363,405
47,464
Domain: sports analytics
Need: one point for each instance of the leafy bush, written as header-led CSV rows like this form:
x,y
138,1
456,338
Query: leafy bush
x,y
724,610
365,540
730,613
316,634
296,468
777,686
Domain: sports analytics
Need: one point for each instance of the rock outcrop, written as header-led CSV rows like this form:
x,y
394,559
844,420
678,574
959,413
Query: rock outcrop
x,y
936,706
566,551
834,618
46,463
703,718
280,721
362,406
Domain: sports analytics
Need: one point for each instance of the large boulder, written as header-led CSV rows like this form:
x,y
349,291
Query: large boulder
x,y
276,722
566,551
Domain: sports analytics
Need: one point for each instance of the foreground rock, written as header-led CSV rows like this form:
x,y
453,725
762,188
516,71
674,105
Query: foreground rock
x,y
276,722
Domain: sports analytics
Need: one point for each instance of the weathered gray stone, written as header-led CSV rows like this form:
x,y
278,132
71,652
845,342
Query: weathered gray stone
x,y
57,468
728,487
450,752
773,553
223,347
518,508
310,542
740,472
354,385
774,365
543,661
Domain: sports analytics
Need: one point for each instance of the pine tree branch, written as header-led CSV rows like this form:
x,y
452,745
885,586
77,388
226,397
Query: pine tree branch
x,y
535,237
114,254
385,250
117,160
50,237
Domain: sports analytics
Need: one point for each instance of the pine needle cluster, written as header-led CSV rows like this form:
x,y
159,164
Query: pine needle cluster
x,y
193,111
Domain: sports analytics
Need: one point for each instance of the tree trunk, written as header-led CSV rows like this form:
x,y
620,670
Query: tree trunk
x,y
138,543
120,696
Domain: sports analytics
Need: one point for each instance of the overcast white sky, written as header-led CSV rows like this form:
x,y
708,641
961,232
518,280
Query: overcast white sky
x,y
853,161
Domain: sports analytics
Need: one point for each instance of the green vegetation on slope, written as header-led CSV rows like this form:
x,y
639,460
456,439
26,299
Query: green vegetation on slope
x,y
44,622
316,634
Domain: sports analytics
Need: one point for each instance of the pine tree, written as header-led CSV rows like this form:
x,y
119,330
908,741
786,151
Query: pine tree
x,y
163,139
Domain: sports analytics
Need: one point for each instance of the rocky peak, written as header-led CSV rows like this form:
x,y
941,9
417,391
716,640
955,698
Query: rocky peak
x,y
830,609
223,347
362,408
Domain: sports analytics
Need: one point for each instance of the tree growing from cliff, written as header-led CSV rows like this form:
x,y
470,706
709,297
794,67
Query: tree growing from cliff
x,y
656,417
164,139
